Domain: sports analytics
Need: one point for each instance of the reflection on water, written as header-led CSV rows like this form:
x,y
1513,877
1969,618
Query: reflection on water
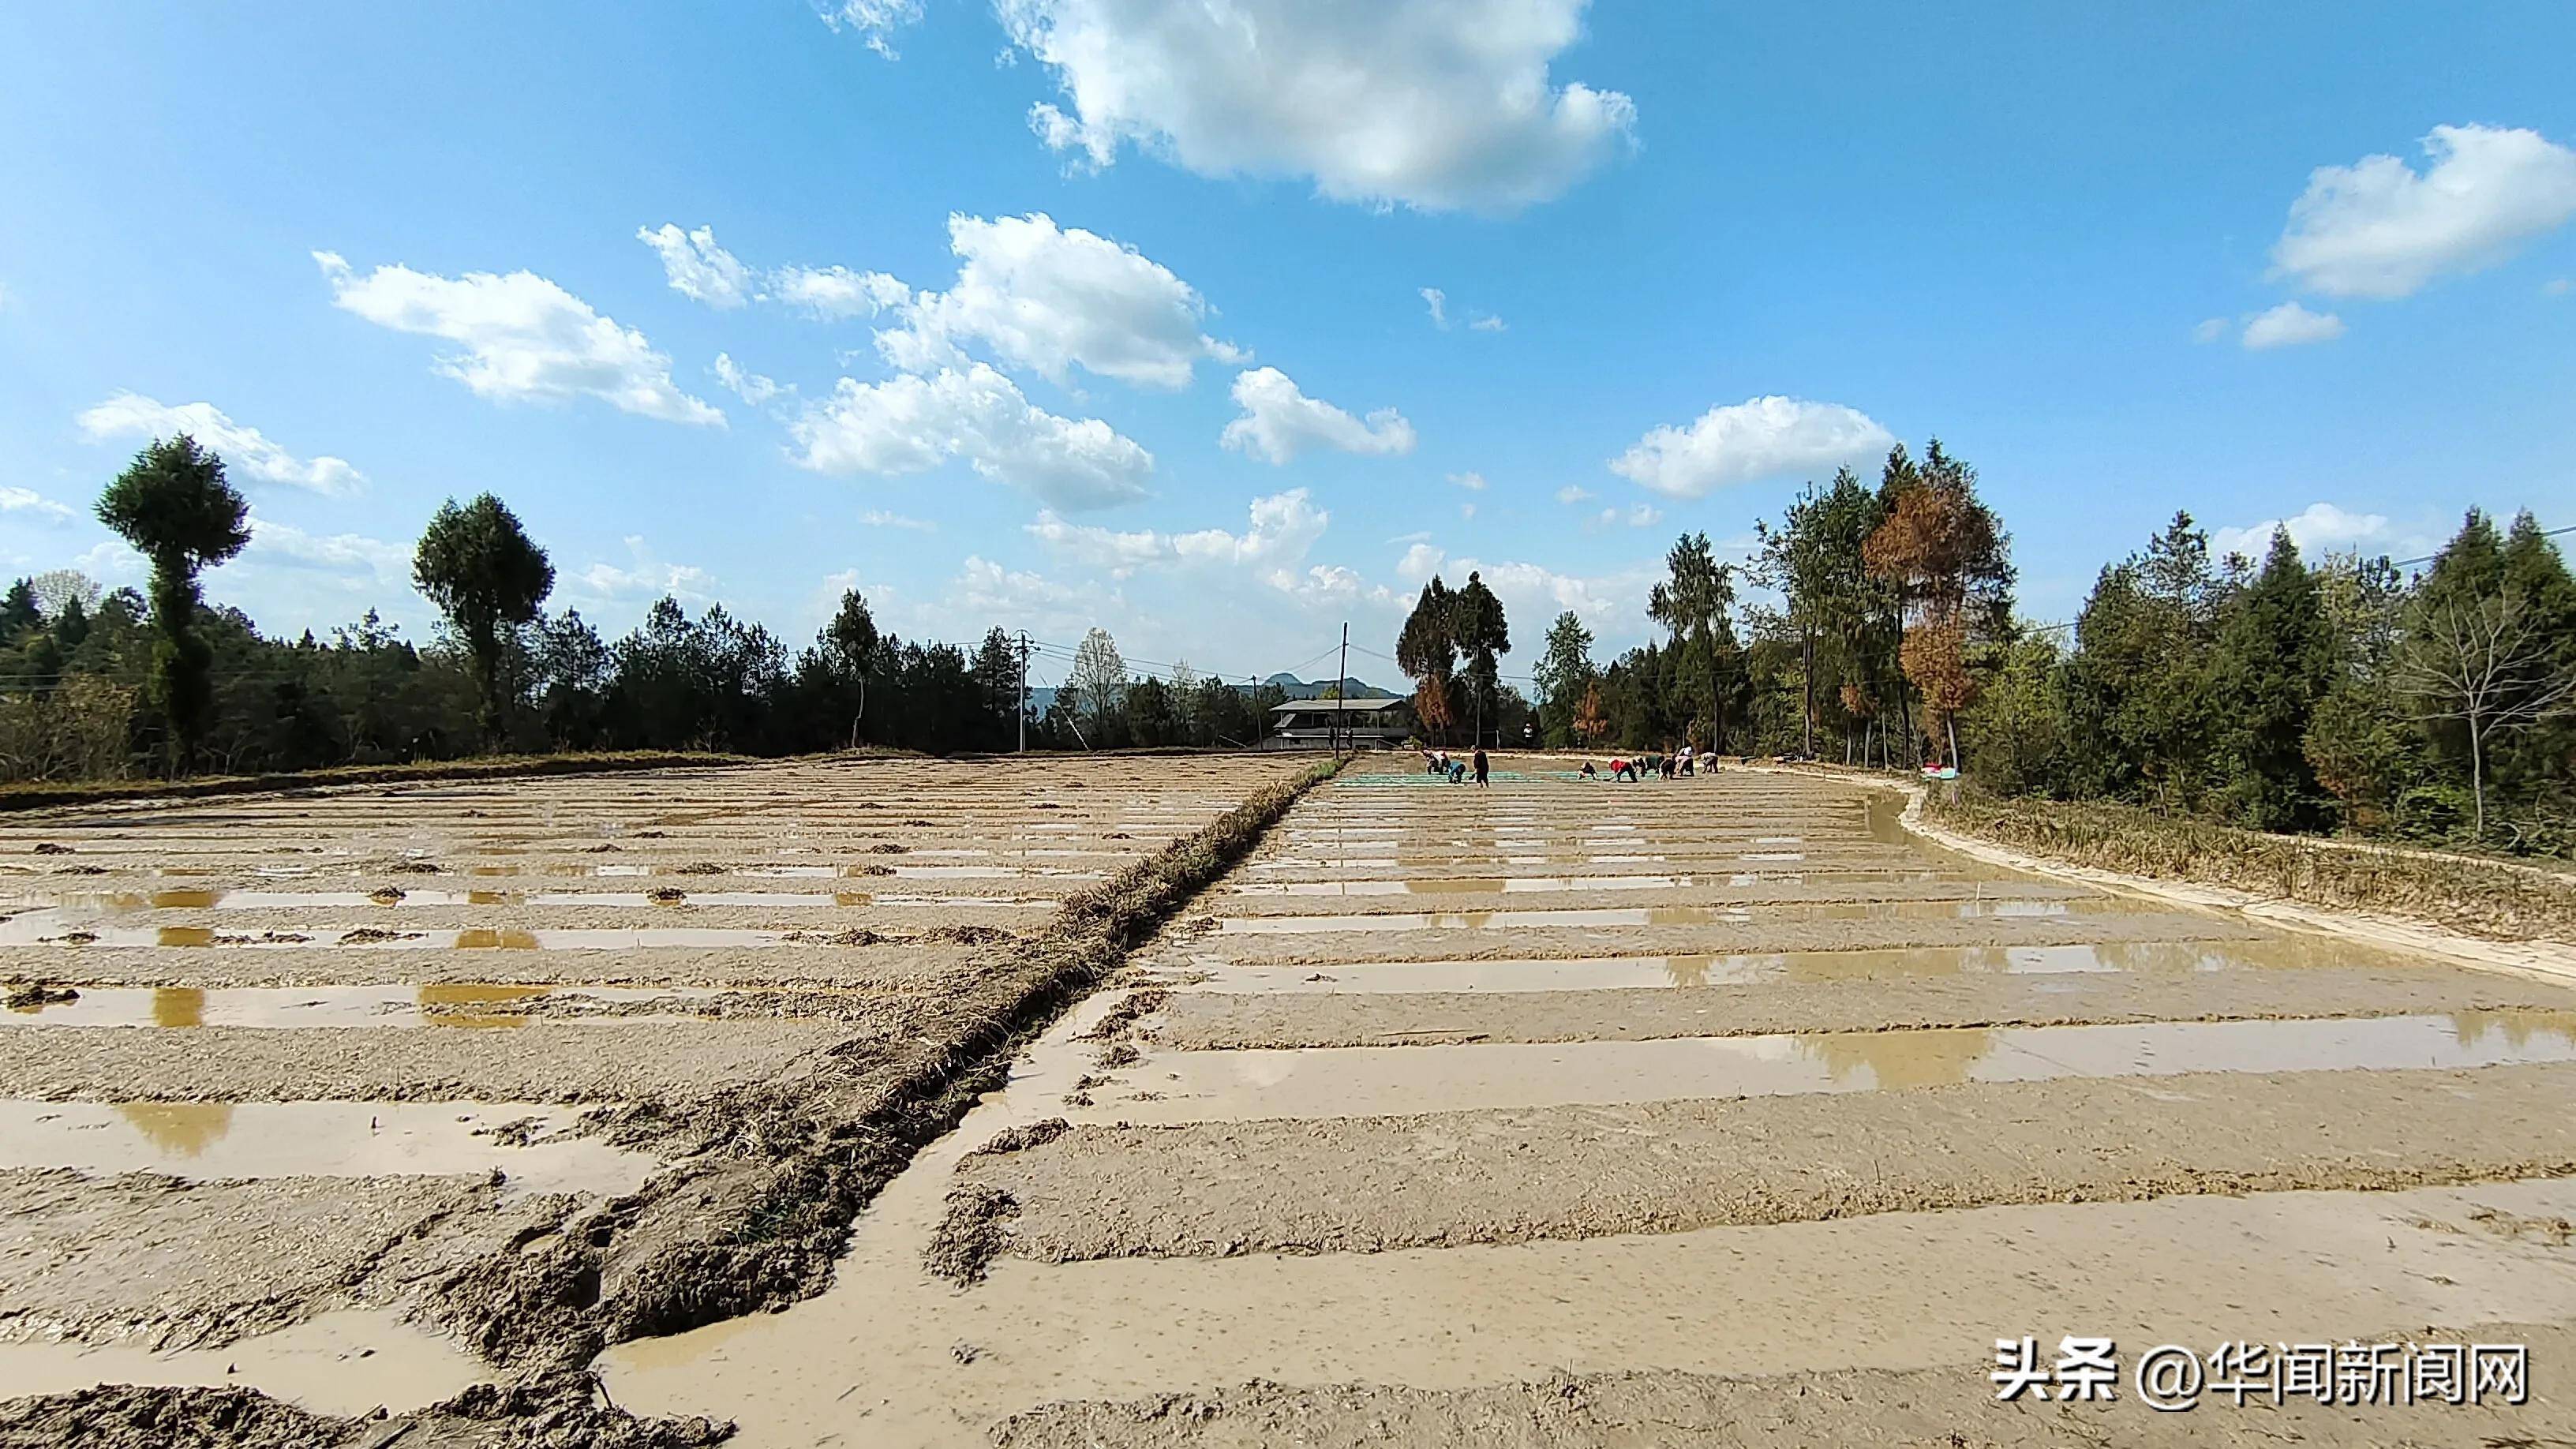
x,y
178,1006
320,1138
184,936
2517,1029
1660,915
490,939
466,1004
181,1129
1900,1059
1886,812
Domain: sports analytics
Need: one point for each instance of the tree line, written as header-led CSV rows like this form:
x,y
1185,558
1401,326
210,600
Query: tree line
x,y
103,685
2343,693
2280,694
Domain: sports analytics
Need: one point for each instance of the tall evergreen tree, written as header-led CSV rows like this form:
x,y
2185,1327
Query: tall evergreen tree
x,y
1696,603
488,577
1565,677
2273,661
175,506
1426,649
1483,634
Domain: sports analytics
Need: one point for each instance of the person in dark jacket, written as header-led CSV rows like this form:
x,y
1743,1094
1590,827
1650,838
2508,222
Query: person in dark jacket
x,y
1480,765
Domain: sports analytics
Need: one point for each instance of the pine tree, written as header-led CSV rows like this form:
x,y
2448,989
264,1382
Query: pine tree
x,y
2273,661
175,506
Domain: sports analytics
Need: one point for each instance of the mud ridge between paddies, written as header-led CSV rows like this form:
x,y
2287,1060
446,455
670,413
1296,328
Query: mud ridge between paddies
x,y
757,1136
1700,1111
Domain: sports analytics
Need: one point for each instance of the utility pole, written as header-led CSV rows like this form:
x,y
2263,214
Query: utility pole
x,y
1341,686
1023,710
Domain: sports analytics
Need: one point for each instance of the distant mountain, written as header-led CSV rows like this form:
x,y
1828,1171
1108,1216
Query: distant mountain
x,y
1296,688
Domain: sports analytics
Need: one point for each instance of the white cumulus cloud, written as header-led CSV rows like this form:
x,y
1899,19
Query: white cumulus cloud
x,y
1763,437
246,451
833,294
377,561
523,338
696,267
1609,604
2315,528
2291,325
1438,302
1052,298
1279,422
2378,228
1435,104
1572,494
1486,322
879,518
644,575
1283,528
874,21
2211,329
751,387
28,501
913,423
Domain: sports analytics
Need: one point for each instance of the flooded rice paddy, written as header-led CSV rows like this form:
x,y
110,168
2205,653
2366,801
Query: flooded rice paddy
x,y
1728,1086
1481,1176
331,961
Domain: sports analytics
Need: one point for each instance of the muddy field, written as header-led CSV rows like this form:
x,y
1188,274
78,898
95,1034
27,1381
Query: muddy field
x,y
364,1096
1711,1111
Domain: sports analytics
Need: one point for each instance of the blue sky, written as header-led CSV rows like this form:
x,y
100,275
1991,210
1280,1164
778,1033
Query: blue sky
x,y
1047,313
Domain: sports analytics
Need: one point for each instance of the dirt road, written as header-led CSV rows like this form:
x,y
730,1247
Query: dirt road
x,y
1712,1111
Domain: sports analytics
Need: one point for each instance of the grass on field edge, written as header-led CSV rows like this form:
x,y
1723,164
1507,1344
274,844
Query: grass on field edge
x,y
2498,901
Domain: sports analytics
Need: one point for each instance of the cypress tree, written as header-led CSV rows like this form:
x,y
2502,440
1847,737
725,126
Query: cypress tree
x,y
2273,661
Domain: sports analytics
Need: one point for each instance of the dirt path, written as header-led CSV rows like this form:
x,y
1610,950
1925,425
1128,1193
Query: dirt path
x,y
1711,1111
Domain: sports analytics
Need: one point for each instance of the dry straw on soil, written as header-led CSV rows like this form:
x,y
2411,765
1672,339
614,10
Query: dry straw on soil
x,y
2498,901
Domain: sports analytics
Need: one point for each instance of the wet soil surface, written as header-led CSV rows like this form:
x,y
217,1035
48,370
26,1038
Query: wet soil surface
x,y
1209,1020
520,1061
1371,1183
1917,1409
804,963
1717,1110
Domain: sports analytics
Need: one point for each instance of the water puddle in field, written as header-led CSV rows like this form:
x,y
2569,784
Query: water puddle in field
x,y
1618,972
1239,1085
1660,916
221,1140
343,1363
470,939
1544,884
439,1004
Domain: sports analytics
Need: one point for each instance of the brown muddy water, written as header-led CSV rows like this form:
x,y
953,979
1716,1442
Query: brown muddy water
x,y
894,1355
1621,972
229,1140
344,876
1244,1084
465,1005
1502,920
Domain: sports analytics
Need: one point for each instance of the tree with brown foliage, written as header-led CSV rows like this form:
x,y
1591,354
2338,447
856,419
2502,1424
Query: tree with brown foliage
x,y
1950,560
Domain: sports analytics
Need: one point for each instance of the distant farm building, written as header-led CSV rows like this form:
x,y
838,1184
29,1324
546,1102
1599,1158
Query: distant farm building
x,y
1314,724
